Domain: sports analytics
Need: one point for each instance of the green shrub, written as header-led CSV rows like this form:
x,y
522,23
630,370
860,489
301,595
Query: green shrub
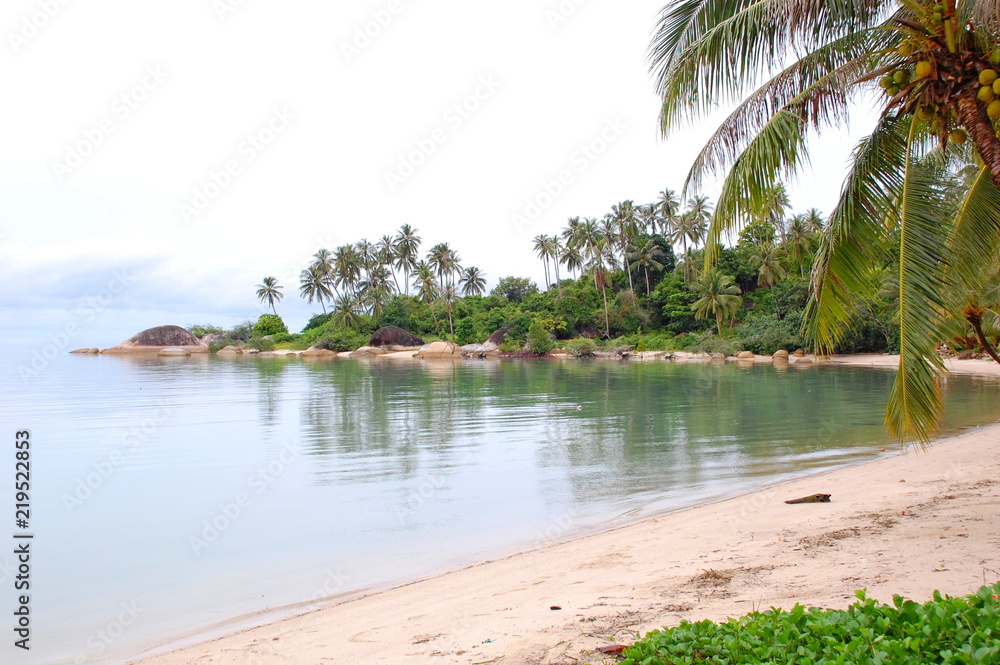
x,y
942,630
261,343
580,347
708,342
538,339
766,334
283,337
242,331
222,343
511,344
316,321
269,324
340,339
200,331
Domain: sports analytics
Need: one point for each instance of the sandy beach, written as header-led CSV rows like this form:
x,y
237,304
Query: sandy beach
x,y
907,523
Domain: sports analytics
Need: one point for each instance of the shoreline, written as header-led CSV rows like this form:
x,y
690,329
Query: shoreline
x,y
907,523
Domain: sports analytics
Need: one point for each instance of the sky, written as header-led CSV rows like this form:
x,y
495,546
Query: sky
x,y
160,159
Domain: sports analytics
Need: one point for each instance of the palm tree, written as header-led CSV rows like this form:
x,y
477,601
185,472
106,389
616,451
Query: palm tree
x,y
799,240
407,250
313,285
814,220
808,62
449,296
270,291
767,260
555,250
427,289
626,228
347,266
323,262
446,263
718,297
344,312
542,250
473,282
668,206
645,256
573,259
385,252
377,290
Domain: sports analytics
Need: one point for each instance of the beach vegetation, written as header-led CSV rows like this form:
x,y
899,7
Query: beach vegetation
x,y
944,629
269,324
580,347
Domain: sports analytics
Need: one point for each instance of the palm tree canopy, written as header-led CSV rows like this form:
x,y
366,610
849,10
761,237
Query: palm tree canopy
x,y
794,68
269,291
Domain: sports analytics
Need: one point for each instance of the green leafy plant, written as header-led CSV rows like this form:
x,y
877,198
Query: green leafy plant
x,y
269,324
942,630
538,340
341,339
580,347
261,343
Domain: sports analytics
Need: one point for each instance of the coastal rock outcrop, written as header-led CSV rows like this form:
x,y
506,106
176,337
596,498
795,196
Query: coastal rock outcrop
x,y
88,352
780,354
745,355
368,351
439,349
393,336
314,352
174,351
230,351
154,340
494,341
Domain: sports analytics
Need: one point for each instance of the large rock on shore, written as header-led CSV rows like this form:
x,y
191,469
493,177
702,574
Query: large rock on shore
x,y
393,336
494,341
439,349
159,338
368,351
780,354
745,355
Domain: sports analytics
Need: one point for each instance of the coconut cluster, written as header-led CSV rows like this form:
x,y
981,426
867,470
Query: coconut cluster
x,y
934,70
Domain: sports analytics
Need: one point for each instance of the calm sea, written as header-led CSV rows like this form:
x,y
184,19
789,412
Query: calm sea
x,y
174,496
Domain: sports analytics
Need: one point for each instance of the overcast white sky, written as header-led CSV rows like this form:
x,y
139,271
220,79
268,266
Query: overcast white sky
x,y
122,118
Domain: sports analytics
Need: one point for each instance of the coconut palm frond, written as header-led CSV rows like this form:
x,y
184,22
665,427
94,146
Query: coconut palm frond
x,y
774,153
719,47
816,88
846,255
975,238
915,406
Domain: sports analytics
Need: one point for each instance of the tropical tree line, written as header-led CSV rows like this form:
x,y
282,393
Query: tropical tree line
x,y
362,278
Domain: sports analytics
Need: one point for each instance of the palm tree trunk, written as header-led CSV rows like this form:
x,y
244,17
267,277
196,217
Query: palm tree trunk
x,y
718,322
974,316
607,323
977,123
628,271
273,309
647,279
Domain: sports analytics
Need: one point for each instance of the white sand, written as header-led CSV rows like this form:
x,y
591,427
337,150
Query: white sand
x,y
906,524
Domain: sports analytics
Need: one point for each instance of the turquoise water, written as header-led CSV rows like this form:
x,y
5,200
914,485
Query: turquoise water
x,y
171,495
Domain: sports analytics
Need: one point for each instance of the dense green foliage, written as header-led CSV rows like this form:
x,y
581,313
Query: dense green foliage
x,y
269,324
942,630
